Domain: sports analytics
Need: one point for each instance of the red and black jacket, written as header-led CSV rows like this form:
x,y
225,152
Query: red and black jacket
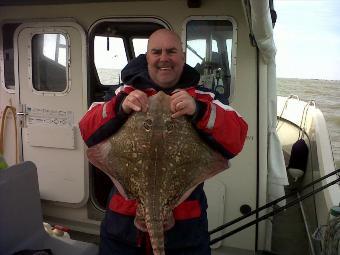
x,y
216,122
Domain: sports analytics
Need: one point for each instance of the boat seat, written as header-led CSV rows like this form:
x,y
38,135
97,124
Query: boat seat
x,y
21,221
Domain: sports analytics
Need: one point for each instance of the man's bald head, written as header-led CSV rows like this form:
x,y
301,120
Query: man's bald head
x,y
165,33
165,58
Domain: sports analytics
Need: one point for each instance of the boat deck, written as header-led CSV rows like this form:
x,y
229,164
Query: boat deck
x,y
289,233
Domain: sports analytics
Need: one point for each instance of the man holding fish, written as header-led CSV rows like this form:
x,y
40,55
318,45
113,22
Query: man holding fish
x,y
222,128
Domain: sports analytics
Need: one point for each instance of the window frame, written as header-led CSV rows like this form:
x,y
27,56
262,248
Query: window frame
x,y
233,60
67,67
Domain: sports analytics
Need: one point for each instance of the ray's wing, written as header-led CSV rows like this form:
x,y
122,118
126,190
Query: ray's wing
x,y
124,156
98,155
188,161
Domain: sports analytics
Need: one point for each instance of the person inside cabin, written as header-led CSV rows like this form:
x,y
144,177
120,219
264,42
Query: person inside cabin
x,y
163,68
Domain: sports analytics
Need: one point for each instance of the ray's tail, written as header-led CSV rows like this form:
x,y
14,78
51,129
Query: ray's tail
x,y
156,232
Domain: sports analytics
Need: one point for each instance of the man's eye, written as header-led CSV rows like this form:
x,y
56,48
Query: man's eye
x,y
156,52
171,51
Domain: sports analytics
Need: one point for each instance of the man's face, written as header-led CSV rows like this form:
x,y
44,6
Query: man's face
x,y
165,58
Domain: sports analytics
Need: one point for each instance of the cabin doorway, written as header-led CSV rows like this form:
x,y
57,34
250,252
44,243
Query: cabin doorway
x,y
51,95
112,44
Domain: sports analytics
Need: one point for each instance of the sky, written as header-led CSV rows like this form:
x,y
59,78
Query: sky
x,y
307,38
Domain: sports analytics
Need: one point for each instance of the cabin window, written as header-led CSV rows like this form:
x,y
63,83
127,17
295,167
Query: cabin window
x,y
49,62
210,50
8,54
109,58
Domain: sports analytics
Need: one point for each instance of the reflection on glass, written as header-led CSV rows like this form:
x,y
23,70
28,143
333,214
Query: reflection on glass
x,y
196,51
208,50
49,55
55,48
8,53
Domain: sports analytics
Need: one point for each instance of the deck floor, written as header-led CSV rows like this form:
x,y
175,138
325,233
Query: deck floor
x,y
289,234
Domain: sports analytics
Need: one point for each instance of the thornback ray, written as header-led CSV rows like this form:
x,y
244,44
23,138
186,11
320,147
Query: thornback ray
x,y
157,160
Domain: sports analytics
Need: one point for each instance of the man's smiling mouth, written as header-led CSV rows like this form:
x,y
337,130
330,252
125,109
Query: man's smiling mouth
x,y
165,68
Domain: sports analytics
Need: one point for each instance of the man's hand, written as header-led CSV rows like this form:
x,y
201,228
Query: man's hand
x,y
136,101
181,103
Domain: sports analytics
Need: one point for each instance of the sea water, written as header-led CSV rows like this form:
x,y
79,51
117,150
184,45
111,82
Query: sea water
x,y
326,95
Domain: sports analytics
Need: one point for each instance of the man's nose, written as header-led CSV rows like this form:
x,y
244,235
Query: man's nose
x,y
164,56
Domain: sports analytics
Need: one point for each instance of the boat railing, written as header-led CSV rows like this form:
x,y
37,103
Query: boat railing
x,y
275,211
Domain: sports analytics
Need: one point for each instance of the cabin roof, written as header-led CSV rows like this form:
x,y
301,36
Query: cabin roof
x,y
260,15
44,2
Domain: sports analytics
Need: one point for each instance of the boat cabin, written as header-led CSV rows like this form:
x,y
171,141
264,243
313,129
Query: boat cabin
x,y
59,57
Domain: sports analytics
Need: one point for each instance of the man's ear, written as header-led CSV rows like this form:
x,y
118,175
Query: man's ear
x,y
147,56
183,55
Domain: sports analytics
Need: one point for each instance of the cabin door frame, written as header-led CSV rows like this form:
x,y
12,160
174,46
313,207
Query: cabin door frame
x,y
51,94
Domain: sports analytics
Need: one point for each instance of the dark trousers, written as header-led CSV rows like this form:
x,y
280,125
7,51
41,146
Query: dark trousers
x,y
180,239
113,247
